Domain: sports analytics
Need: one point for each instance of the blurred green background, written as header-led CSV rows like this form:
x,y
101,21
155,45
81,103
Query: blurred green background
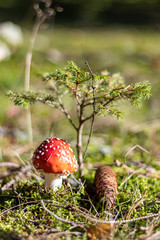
x,y
113,35
89,12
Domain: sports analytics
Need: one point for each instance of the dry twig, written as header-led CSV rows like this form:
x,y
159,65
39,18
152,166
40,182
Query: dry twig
x,y
55,216
155,236
136,205
87,216
18,176
9,165
123,165
19,205
123,221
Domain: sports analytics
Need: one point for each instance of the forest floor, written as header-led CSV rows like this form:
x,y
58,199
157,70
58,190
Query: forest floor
x,y
130,147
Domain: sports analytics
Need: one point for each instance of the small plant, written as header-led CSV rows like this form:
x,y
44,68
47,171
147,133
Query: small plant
x,y
93,94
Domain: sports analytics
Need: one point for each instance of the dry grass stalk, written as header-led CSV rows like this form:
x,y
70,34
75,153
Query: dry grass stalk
x,y
41,16
136,205
135,172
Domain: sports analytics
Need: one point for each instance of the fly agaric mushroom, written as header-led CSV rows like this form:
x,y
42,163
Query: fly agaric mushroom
x,y
55,158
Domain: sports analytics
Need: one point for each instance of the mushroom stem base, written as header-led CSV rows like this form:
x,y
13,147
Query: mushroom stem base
x,y
53,181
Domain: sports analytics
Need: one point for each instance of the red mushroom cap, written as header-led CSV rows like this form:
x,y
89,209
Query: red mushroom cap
x,y
54,155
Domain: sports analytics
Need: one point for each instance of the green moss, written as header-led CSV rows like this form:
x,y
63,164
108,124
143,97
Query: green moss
x,y
28,217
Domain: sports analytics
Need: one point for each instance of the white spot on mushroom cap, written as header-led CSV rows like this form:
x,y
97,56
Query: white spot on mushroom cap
x,y
49,157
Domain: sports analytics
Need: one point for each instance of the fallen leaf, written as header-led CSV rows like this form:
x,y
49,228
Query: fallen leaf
x,y
101,231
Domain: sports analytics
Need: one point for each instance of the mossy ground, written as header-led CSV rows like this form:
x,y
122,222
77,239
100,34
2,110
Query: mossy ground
x,y
135,53
23,216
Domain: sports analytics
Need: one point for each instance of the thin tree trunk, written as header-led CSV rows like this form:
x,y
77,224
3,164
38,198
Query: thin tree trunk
x,y
79,149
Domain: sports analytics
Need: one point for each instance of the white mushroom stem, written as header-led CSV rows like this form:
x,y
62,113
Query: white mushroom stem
x,y
53,181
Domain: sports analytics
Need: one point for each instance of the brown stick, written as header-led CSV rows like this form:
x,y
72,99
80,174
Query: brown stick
x,y
123,165
9,165
152,215
19,175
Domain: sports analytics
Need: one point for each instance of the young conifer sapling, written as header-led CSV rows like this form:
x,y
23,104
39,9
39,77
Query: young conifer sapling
x,y
93,94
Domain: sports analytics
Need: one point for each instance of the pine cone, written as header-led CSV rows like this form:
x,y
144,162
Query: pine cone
x,y
106,185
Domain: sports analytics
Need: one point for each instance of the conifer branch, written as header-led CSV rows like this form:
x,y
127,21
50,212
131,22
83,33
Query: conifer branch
x,y
62,107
